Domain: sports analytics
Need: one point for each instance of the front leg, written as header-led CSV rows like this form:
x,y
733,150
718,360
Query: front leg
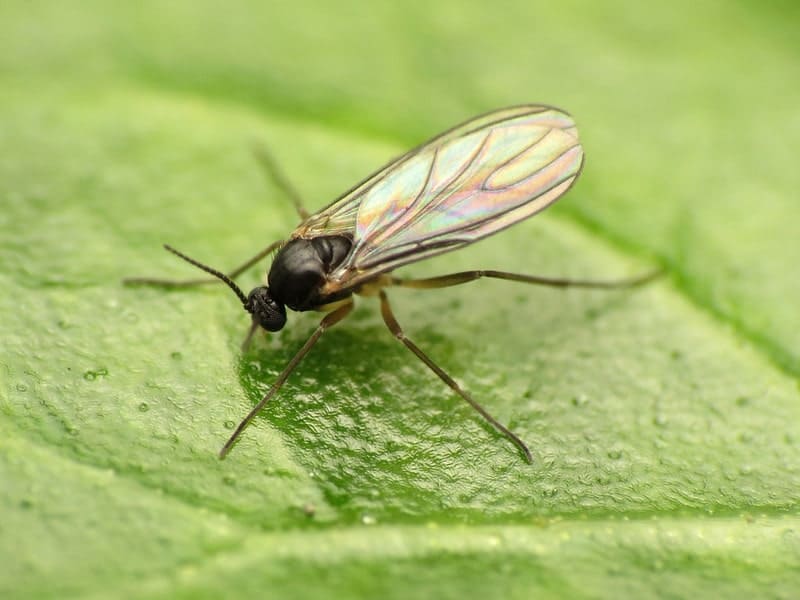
x,y
179,283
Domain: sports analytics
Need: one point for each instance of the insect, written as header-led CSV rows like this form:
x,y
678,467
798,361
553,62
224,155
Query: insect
x,y
461,186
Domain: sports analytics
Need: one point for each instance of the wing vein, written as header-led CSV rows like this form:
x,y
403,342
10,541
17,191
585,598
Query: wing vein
x,y
534,174
513,158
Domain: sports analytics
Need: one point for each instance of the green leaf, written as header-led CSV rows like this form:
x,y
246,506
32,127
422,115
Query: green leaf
x,y
663,420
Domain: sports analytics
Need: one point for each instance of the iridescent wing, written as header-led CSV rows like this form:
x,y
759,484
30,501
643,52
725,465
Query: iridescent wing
x,y
340,216
468,183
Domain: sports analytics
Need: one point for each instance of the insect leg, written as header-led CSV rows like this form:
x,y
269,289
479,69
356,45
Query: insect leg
x,y
397,331
327,322
467,276
175,283
250,333
279,178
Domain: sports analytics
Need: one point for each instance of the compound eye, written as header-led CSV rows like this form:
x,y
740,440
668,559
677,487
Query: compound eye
x,y
267,312
273,318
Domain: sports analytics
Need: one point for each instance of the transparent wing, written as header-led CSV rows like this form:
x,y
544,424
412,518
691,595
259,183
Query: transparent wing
x,y
463,186
341,216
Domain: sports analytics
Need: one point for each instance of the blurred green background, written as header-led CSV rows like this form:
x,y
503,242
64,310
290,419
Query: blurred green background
x,y
664,421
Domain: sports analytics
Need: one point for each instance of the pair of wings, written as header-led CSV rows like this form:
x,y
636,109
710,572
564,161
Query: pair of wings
x,y
463,185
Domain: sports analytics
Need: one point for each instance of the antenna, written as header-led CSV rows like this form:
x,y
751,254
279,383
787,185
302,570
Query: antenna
x,y
236,289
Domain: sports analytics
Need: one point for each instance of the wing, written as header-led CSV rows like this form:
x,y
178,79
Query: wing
x,y
463,185
340,217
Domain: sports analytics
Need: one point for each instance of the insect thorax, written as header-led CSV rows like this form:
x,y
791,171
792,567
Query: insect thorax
x,y
302,267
